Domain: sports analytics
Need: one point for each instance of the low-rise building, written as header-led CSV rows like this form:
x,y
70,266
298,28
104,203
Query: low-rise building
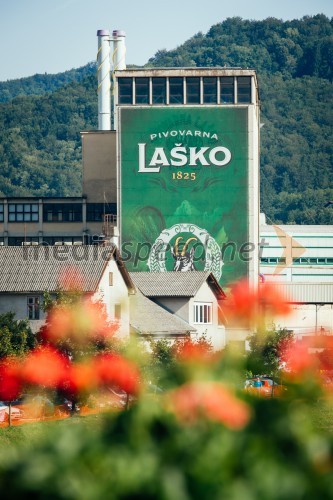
x,y
28,272
195,297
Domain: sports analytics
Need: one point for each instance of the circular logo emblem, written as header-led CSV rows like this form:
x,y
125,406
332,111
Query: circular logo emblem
x,y
181,242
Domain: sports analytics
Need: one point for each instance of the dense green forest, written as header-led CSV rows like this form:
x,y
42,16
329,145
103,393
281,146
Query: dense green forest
x,y
41,117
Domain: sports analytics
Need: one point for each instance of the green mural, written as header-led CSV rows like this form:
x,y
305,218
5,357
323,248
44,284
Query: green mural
x,y
184,189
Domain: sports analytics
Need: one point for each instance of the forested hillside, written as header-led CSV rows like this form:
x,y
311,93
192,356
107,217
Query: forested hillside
x,y
43,83
40,145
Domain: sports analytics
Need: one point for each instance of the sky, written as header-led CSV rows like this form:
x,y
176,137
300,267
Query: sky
x,y
52,36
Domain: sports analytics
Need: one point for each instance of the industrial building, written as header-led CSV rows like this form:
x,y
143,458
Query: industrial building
x,y
299,261
171,177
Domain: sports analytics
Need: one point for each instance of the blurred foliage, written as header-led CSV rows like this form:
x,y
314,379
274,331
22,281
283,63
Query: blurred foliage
x,y
41,120
156,451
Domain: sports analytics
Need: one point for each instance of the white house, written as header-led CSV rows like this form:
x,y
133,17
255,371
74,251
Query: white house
x,y
27,272
194,297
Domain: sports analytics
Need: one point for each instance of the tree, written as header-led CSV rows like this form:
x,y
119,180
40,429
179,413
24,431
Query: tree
x,y
79,329
267,349
16,336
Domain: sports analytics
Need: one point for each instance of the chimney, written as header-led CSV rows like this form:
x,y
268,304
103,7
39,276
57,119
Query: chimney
x,y
119,50
104,82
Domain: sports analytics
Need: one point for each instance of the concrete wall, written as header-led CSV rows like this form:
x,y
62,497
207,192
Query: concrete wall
x,y
253,202
99,166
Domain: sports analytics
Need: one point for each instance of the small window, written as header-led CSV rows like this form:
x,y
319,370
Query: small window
x,y
110,279
244,89
33,307
141,90
159,90
227,90
117,311
209,90
193,90
1,213
125,90
27,212
176,90
203,313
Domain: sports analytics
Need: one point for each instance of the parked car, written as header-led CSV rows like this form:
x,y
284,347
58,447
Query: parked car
x,y
36,406
16,413
264,386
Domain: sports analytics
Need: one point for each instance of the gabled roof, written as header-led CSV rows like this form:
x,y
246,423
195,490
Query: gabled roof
x,y
149,318
175,284
47,268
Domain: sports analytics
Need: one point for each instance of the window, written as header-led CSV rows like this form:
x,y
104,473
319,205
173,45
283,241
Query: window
x,y
1,213
244,89
209,90
125,89
176,90
33,307
203,313
23,212
141,90
62,212
193,90
110,279
17,241
117,311
313,260
96,211
159,90
273,260
227,90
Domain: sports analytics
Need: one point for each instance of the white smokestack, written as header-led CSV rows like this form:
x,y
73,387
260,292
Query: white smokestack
x,y
104,82
119,50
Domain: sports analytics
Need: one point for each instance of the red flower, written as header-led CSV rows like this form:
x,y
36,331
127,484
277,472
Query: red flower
x,y
81,377
271,297
246,303
300,362
211,400
80,322
44,366
310,358
60,323
10,380
189,351
118,371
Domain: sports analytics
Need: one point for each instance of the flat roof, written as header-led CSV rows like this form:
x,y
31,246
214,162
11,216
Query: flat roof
x,y
189,71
